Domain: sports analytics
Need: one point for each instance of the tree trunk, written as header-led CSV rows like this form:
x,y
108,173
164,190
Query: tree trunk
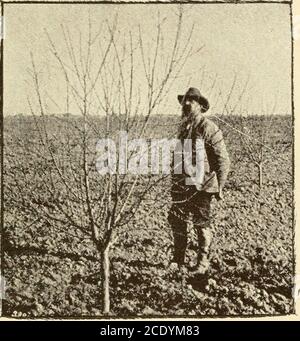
x,y
105,274
260,174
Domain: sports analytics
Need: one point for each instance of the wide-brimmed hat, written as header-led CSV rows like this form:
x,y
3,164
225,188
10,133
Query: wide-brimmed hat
x,y
194,93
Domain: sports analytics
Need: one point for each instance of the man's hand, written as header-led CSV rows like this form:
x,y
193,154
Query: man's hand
x,y
219,196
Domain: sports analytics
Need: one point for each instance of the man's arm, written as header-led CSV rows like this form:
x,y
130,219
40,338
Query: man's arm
x,y
217,154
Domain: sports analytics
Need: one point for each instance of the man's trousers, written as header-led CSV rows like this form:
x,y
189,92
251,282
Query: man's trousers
x,y
186,200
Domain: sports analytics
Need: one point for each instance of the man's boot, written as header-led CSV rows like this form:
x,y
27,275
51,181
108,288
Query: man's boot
x,y
203,264
179,254
204,241
179,229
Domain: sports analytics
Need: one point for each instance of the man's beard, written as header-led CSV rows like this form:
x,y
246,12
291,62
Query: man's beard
x,y
187,113
186,109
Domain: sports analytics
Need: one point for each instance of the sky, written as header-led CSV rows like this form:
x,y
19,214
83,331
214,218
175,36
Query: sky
x,y
246,44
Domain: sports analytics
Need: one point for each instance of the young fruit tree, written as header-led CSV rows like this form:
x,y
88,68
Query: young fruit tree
x,y
256,145
115,81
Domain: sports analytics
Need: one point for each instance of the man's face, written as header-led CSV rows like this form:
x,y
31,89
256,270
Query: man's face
x,y
190,107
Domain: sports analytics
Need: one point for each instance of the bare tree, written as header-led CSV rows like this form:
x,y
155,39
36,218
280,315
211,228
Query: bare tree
x,y
256,144
100,82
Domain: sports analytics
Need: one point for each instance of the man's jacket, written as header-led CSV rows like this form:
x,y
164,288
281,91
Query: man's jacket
x,y
216,159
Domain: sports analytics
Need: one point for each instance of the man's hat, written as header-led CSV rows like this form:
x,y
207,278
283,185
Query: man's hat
x,y
194,93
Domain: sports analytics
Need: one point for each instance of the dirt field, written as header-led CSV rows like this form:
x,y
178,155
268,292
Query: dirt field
x,y
54,272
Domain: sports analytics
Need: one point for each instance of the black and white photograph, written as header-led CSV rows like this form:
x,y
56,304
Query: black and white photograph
x,y
147,160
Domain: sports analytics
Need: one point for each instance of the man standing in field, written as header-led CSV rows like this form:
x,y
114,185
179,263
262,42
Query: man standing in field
x,y
193,188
